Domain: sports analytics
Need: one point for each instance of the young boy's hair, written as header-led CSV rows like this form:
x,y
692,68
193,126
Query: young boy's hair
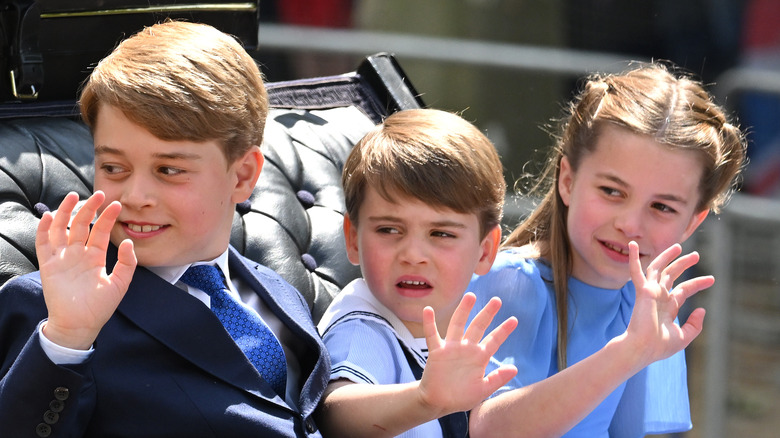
x,y
434,156
183,81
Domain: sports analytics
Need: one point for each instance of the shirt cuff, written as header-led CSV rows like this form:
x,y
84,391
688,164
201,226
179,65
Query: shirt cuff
x,y
62,355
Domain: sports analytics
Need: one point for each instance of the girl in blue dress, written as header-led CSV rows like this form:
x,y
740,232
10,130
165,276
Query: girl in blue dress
x,y
640,161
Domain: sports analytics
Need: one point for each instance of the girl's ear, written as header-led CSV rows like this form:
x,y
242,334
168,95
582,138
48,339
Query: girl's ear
x,y
696,220
565,180
351,240
489,248
247,171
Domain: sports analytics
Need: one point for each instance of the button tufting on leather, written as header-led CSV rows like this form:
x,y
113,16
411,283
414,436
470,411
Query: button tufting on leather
x,y
40,208
244,207
309,262
306,198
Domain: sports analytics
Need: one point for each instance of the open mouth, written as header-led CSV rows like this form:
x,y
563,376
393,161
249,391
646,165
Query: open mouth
x,y
617,249
417,285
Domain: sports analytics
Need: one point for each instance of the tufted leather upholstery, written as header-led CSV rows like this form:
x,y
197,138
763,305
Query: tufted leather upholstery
x,y
291,223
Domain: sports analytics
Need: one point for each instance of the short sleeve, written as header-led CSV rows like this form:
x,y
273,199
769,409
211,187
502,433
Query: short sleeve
x,y
524,295
365,351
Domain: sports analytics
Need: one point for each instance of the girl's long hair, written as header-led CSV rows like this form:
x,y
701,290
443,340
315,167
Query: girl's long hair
x,y
650,100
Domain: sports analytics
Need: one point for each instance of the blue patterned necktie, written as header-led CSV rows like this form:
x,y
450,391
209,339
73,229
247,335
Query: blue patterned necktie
x,y
249,331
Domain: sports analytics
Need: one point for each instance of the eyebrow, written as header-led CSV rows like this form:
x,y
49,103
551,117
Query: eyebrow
x,y
107,150
435,224
663,196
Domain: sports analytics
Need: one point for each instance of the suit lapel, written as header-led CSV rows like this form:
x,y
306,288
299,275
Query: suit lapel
x,y
182,323
288,305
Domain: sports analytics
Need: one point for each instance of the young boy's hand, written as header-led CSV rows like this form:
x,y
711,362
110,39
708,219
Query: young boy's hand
x,y
454,376
658,302
80,296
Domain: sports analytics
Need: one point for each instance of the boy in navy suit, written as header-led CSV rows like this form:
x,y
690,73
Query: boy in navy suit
x,y
106,339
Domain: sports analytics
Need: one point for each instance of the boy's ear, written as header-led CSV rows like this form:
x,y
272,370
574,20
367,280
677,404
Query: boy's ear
x,y
247,169
351,240
696,220
489,247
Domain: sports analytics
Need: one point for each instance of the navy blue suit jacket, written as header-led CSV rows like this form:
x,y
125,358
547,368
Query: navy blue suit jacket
x,y
163,366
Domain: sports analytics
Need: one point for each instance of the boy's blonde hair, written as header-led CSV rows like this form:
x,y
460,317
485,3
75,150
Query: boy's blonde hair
x,y
182,81
649,100
430,155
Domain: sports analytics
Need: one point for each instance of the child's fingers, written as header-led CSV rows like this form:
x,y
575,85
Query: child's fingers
x,y
497,336
688,288
457,324
634,264
693,326
123,271
430,330
42,240
58,230
80,223
677,267
499,377
662,261
480,323
101,230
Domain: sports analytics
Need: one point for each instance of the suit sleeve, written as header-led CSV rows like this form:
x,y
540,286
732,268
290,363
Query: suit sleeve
x,y
37,397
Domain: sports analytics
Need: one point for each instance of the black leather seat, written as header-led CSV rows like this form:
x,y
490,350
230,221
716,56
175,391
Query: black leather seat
x,y
292,223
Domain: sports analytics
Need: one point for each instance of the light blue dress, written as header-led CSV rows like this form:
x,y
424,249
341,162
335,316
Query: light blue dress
x,y
655,400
